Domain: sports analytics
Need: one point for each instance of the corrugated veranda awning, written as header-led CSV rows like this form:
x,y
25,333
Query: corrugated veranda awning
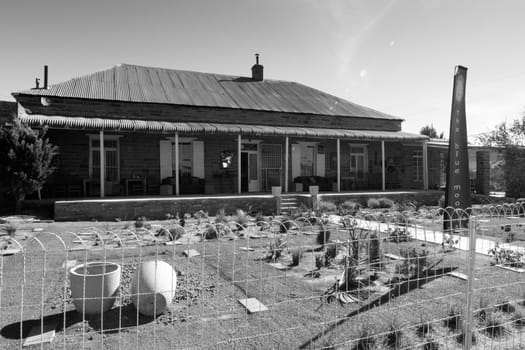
x,y
163,127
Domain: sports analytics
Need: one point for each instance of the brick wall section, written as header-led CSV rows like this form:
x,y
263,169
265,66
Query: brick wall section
x,y
109,210
166,112
73,157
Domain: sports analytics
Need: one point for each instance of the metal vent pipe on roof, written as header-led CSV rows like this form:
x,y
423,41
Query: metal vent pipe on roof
x,y
45,77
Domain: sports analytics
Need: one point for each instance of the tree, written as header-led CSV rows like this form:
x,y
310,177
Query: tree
x,y
431,132
511,138
26,160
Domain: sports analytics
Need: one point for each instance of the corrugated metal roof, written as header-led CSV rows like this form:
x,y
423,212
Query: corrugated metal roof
x,y
172,127
133,83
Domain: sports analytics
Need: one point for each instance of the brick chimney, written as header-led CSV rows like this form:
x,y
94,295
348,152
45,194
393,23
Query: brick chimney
x,y
257,70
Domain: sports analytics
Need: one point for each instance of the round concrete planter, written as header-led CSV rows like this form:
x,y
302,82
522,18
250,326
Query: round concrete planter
x,y
94,286
153,287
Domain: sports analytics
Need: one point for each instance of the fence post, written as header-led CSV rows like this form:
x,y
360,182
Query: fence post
x,y
470,283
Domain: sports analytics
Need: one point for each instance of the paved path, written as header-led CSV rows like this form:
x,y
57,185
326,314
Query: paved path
x,y
483,245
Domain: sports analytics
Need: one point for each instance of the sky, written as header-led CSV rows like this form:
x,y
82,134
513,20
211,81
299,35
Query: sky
x,y
396,56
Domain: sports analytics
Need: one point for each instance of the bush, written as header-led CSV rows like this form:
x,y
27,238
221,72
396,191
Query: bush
x,y
385,202
394,334
424,328
373,203
349,208
241,219
140,222
275,249
455,317
326,207
441,201
10,229
494,324
518,319
366,339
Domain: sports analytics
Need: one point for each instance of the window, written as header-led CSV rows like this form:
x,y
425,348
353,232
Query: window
x,y
417,157
111,157
358,162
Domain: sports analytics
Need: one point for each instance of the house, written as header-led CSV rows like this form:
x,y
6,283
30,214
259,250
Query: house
x,y
134,130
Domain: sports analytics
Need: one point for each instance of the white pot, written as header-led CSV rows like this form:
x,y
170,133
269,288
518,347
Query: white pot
x,y
94,286
153,287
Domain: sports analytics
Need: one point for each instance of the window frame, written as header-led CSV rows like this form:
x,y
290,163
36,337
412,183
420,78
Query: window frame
x,y
96,137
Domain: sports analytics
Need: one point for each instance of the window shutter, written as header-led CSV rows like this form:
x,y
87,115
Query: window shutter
x,y
166,166
296,161
198,159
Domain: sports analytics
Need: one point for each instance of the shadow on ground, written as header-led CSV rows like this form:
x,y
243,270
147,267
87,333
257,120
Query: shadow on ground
x,y
111,322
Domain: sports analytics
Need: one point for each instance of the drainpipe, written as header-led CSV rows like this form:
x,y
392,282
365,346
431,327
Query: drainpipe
x,y
239,146
286,164
425,165
177,185
383,174
338,165
102,163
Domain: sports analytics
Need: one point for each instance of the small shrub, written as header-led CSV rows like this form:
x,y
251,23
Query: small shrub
x,y
140,222
455,317
275,249
518,319
385,202
210,232
349,208
10,229
415,262
373,203
441,201
176,232
220,216
330,254
510,237
460,338
507,257
394,334
366,339
241,219
297,255
326,207
505,305
431,345
172,234
319,261
483,308
494,324
424,328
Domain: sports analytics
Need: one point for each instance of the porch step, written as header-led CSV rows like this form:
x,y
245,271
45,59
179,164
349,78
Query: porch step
x,y
288,204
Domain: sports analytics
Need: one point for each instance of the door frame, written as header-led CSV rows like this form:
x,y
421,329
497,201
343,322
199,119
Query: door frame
x,y
253,185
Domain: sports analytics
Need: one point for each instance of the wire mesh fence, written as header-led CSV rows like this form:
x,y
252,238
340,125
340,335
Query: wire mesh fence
x,y
376,279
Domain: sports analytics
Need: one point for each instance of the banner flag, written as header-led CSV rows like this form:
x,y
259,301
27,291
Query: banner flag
x,y
457,194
